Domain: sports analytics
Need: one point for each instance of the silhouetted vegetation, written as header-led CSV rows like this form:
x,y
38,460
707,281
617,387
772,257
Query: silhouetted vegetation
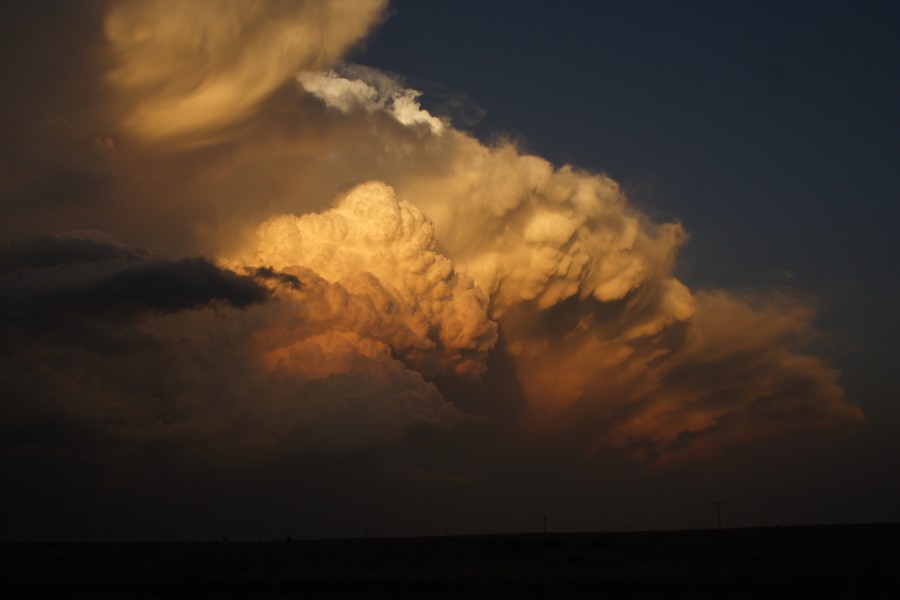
x,y
789,562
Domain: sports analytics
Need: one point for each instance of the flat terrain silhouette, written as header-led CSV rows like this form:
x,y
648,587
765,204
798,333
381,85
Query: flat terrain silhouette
x,y
859,561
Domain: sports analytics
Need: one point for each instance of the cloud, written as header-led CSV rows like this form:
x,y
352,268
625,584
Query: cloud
x,y
343,256
381,252
64,250
84,274
109,345
190,69
735,373
369,90
164,285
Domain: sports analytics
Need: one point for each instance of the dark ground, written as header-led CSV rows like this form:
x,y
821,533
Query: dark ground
x,y
860,561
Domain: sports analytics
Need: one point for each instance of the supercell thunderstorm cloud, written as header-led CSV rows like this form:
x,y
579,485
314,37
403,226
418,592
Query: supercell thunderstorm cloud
x,y
229,241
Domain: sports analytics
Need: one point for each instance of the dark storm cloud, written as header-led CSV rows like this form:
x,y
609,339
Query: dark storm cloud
x,y
162,285
49,251
88,274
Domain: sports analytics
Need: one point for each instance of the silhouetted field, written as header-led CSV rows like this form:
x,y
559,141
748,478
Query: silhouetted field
x,y
778,562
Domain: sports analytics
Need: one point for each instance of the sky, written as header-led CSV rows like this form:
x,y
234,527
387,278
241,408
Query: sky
x,y
335,268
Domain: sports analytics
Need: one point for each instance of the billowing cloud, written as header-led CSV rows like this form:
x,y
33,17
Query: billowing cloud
x,y
734,373
381,253
362,253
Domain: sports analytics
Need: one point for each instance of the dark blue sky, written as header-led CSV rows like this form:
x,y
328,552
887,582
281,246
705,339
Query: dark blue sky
x,y
771,130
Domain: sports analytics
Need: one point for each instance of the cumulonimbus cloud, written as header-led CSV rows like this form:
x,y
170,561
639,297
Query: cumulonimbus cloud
x,y
436,246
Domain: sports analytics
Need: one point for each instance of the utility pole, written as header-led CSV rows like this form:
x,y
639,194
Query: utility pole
x,y
545,517
718,504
